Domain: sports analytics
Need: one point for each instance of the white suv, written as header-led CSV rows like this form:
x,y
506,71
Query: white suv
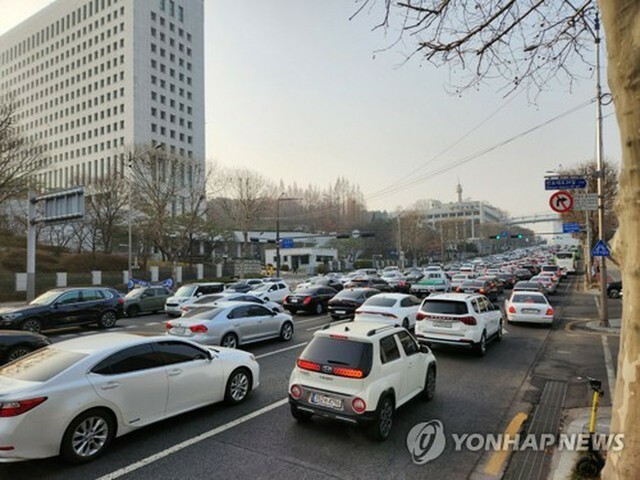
x,y
360,373
461,319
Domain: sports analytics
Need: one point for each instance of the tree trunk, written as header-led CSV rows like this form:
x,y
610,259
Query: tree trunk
x,y
621,21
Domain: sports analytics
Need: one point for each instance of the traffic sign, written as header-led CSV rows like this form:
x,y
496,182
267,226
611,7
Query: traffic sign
x,y
571,227
585,201
355,234
561,202
565,183
286,243
600,250
504,234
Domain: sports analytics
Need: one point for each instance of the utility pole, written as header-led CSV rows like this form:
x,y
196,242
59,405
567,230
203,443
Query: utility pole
x,y
604,315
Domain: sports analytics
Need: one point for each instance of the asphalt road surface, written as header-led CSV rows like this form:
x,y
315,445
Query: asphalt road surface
x,y
260,439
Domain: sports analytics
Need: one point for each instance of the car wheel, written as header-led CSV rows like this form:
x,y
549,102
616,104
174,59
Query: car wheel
x,y
286,332
108,320
481,346
32,325
429,390
238,386
17,352
230,340
499,333
381,426
299,415
133,311
614,293
319,308
88,436
405,323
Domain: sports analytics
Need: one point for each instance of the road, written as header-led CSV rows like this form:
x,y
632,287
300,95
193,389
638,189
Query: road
x,y
473,396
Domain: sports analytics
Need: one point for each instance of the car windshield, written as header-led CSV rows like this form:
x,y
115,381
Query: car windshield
x,y
379,301
262,288
450,307
41,365
203,313
524,298
46,298
185,291
340,352
135,293
459,277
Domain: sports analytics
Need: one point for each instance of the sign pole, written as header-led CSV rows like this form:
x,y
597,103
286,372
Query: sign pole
x,y
31,247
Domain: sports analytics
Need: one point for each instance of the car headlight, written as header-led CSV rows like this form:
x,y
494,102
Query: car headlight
x,y
11,316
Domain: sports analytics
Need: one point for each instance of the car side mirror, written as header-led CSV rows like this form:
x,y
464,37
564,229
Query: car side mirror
x,y
199,294
424,349
275,312
210,355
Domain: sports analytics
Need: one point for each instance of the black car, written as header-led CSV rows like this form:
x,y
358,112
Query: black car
x,y
523,274
494,281
346,302
62,307
614,289
508,280
483,287
314,299
15,344
369,282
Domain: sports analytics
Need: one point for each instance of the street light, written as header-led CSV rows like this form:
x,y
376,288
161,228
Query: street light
x,y
129,219
281,198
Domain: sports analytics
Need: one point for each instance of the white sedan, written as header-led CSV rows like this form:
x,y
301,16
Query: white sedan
x,y
231,324
74,397
212,300
528,307
394,308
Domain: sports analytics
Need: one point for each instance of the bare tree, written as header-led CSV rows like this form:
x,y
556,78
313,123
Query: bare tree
x,y
19,159
531,42
106,203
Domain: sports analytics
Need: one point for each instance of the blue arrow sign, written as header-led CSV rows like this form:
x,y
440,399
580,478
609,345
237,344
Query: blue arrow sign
x,y
570,227
565,183
600,250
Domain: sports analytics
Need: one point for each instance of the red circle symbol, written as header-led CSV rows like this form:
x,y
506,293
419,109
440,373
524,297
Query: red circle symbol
x,y
561,202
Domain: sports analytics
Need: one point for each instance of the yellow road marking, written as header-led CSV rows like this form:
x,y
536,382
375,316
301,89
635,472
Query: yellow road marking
x,y
495,464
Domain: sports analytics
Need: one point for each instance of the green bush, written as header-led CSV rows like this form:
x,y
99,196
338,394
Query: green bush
x,y
321,269
15,260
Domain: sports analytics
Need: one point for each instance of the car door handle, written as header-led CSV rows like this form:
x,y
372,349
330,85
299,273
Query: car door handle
x,y
175,372
110,386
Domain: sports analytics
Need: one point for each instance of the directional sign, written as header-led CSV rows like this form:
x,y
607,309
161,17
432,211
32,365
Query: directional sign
x,y
571,227
286,243
566,183
585,201
561,202
600,250
504,234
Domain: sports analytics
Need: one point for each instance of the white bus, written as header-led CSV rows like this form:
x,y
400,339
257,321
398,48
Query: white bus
x,y
566,261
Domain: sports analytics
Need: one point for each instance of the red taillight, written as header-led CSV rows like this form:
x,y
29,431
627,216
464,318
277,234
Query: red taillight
x,y
13,409
512,309
402,283
121,301
296,391
359,405
341,337
550,311
481,291
468,320
459,289
286,299
307,300
348,372
421,316
383,314
198,329
184,309
307,365
168,326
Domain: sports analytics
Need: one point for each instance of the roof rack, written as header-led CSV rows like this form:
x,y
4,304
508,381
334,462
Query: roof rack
x,y
380,329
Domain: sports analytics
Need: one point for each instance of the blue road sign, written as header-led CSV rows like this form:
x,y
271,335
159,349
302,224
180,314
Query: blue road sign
x,y
286,243
600,250
571,227
504,235
565,183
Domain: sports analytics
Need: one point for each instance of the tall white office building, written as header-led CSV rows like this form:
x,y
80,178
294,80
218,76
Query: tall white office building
x,y
94,78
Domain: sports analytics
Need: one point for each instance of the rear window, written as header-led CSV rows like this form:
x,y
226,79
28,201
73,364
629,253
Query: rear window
x,y
446,307
203,313
42,365
338,352
378,301
350,294
473,283
523,298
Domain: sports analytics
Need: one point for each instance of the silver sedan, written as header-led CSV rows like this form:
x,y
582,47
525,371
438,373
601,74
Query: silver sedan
x,y
231,324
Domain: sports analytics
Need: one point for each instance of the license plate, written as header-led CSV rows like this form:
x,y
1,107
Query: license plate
x,y
325,401
341,312
468,291
179,330
529,310
293,300
442,324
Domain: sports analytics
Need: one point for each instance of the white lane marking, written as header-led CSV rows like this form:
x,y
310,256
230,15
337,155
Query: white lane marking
x,y
192,441
152,324
330,323
597,304
310,320
292,347
608,361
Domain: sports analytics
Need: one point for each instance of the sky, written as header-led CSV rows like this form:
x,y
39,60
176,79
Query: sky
x,y
298,92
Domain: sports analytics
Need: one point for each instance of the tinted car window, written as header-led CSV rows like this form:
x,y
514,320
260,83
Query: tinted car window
x,y
409,345
239,312
523,298
69,297
379,301
389,349
178,352
450,307
41,365
132,359
209,298
90,295
340,352
258,311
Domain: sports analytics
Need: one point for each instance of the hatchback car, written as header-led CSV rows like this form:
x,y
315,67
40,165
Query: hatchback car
x,y
118,383
231,324
314,299
345,303
145,300
63,307
15,344
360,373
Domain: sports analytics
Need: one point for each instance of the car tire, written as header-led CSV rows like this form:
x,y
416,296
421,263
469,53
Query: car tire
x,y
292,311
614,293
286,331
18,352
429,390
405,324
87,436
31,325
499,332
481,346
380,428
238,386
108,319
319,308
133,311
230,340
299,415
